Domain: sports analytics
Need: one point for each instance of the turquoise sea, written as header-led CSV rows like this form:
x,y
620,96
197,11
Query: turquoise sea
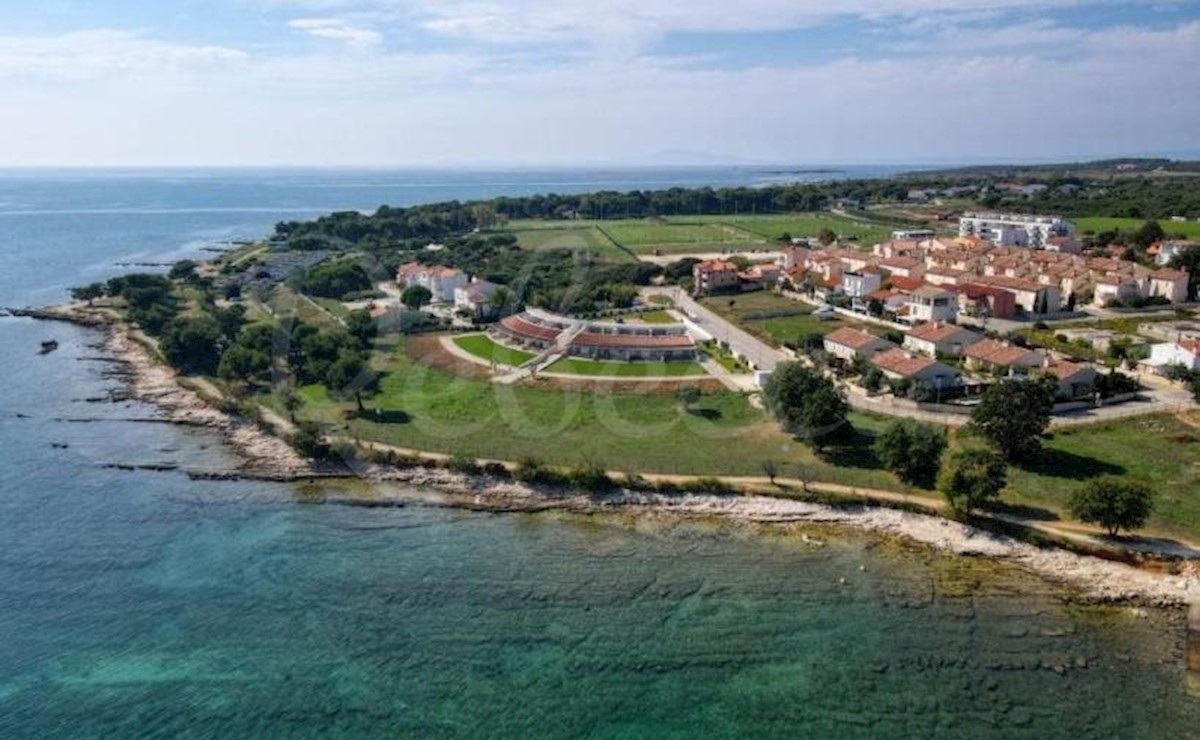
x,y
139,604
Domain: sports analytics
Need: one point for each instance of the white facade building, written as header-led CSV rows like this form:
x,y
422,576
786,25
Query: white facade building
x,y
1013,229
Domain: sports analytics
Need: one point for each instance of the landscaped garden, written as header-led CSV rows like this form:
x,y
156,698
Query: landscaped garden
x,y
483,347
607,369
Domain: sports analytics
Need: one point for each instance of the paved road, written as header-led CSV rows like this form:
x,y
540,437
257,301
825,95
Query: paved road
x,y
762,355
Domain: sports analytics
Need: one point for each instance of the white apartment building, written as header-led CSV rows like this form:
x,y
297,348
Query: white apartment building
x,y
1014,229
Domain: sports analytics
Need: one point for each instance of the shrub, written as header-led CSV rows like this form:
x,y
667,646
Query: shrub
x,y
463,464
710,485
496,470
591,478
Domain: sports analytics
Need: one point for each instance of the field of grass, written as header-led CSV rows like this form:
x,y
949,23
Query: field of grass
x,y
773,227
741,310
432,410
573,237
581,366
655,317
1189,230
1159,450
482,346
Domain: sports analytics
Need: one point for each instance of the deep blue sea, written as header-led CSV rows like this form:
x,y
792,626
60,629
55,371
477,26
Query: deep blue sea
x,y
140,604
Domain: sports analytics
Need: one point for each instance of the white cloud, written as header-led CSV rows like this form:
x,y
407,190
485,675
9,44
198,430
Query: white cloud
x,y
337,29
100,53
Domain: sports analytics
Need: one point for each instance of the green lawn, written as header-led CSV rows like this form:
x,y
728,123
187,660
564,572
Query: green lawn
x,y
744,310
1159,450
482,346
581,366
811,224
1190,229
655,317
573,237
431,410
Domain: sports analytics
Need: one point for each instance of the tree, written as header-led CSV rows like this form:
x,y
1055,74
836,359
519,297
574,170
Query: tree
x,y
826,236
89,292
770,469
688,395
1112,502
362,327
1149,233
872,379
1013,415
309,442
240,362
971,477
807,403
292,402
336,279
911,450
183,270
230,320
190,343
350,374
416,296
1189,261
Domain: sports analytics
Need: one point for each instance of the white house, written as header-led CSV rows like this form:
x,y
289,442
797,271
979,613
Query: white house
x,y
440,281
475,298
861,284
1115,288
1014,230
939,338
897,364
1169,284
931,303
1185,352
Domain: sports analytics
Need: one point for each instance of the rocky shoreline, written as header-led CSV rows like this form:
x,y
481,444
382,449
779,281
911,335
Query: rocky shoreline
x,y
268,457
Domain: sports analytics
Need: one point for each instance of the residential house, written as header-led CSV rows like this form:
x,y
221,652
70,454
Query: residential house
x,y
931,303
1169,284
906,267
1028,295
1185,353
986,301
1115,288
992,355
1075,380
945,276
475,298
940,339
440,281
861,284
715,276
850,344
897,364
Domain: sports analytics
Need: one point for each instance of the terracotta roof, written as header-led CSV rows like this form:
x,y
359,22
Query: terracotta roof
x,y
901,363
637,341
931,291
523,328
938,331
1191,345
997,353
1066,370
900,262
905,283
716,266
1168,274
1010,283
852,338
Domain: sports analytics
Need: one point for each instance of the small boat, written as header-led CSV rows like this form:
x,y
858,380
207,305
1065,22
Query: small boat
x,y
48,346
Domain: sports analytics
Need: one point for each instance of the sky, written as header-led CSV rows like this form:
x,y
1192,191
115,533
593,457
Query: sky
x,y
561,82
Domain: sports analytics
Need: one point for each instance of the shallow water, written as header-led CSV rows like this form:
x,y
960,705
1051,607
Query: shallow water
x,y
147,605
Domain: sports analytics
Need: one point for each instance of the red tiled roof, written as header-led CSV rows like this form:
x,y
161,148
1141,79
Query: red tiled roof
x,y
638,341
937,331
906,283
1065,370
996,353
852,338
529,330
901,363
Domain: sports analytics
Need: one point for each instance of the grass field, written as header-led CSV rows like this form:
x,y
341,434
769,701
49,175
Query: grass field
x,y
573,238
722,433
773,227
482,346
1159,450
581,366
655,317
688,234
1189,230
740,309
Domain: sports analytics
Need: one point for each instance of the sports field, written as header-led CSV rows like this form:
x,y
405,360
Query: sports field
x,y
1188,230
